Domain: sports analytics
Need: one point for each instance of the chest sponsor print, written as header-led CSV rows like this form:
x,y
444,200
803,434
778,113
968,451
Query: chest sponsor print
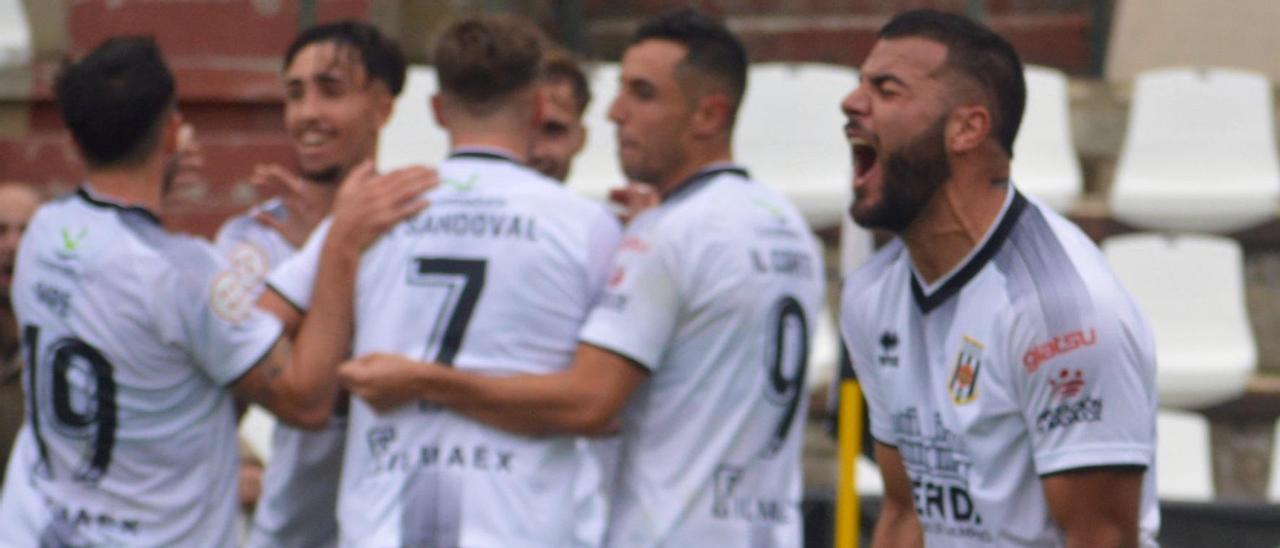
x,y
938,464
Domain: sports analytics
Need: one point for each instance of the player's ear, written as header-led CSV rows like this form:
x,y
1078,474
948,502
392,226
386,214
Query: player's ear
x,y
582,138
968,127
711,115
437,110
171,134
384,104
539,113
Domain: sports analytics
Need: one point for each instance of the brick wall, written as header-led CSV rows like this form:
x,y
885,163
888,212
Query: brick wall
x,y
226,55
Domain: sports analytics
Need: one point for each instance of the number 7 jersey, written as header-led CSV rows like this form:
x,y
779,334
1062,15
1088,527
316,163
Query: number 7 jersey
x,y
495,277
132,336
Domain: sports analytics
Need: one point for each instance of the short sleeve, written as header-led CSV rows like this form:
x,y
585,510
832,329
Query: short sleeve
x,y
244,253
1086,392
861,353
207,308
295,277
636,314
602,244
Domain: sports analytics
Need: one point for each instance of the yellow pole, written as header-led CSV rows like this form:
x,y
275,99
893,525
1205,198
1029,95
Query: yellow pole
x,y
850,445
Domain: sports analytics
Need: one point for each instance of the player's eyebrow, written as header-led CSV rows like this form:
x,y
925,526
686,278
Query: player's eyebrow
x,y
879,80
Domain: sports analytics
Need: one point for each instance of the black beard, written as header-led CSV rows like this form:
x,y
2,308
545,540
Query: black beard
x,y
170,174
327,176
912,174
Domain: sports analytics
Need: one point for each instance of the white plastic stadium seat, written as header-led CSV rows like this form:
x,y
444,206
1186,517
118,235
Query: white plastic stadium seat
x,y
868,477
596,169
790,135
255,429
1184,463
824,351
1200,153
1191,289
412,136
1045,164
15,35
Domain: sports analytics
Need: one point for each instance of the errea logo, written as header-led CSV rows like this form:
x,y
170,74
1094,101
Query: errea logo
x,y
888,349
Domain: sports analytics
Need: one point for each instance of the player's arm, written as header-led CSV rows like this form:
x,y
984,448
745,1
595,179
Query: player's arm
x,y
584,399
1096,506
299,384
897,525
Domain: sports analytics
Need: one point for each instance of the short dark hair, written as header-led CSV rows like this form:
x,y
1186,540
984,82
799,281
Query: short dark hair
x,y
712,47
114,100
560,66
381,56
977,53
482,58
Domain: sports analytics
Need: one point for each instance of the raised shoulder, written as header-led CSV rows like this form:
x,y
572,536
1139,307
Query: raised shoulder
x,y
867,279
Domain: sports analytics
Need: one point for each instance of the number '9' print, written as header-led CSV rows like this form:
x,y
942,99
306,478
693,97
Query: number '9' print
x,y
786,363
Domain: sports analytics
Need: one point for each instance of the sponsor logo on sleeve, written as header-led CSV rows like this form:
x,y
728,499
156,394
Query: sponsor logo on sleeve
x,y
230,297
1068,384
1069,413
1058,346
250,263
633,243
1063,389
963,385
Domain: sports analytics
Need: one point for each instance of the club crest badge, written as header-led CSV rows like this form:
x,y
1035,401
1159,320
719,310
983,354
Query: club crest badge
x,y
963,385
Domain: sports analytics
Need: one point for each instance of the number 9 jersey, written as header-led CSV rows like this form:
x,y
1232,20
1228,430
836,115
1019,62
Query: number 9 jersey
x,y
131,337
715,293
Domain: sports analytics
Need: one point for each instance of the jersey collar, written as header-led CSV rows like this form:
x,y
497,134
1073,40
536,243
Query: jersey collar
x,y
483,153
86,193
704,175
955,280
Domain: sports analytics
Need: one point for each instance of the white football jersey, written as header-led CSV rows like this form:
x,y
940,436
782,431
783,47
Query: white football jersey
x,y
300,484
1027,359
251,247
714,293
496,277
132,336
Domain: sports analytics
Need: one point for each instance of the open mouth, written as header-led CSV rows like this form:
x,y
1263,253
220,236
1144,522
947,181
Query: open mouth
x,y
866,157
311,141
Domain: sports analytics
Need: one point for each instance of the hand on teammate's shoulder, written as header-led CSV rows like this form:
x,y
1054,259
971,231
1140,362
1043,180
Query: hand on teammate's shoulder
x,y
369,204
301,212
633,199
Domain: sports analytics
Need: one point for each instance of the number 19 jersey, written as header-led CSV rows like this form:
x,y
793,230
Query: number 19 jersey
x,y
132,336
495,277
